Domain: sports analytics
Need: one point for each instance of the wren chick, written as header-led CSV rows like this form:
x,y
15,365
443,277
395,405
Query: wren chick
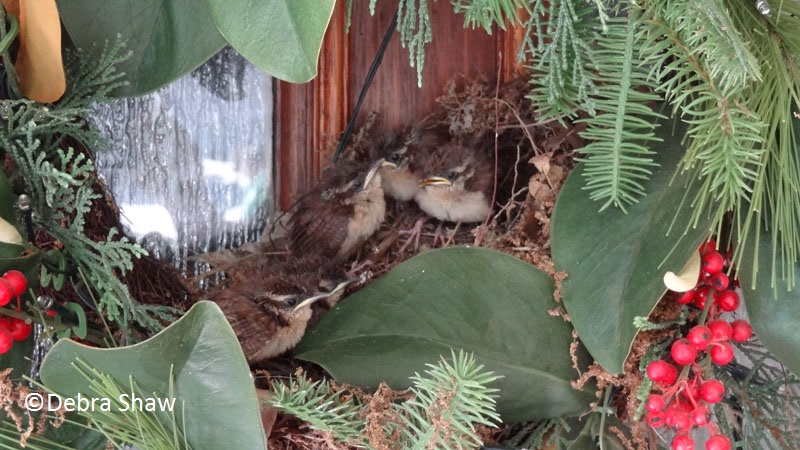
x,y
269,312
458,184
337,216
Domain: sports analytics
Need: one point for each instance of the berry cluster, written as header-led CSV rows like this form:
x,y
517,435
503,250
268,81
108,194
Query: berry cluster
x,y
12,284
685,398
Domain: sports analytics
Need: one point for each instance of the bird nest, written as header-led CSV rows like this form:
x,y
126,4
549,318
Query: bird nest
x,y
532,160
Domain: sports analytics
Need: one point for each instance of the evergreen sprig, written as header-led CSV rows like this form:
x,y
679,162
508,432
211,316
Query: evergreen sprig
x,y
449,401
617,158
60,183
414,24
558,45
486,13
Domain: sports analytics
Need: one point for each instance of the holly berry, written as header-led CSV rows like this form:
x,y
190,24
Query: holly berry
x,y
700,296
17,281
710,246
720,330
686,298
20,330
654,403
712,391
741,330
678,419
655,419
683,442
718,442
700,416
712,262
721,353
6,340
699,336
6,292
719,281
683,352
727,300
662,372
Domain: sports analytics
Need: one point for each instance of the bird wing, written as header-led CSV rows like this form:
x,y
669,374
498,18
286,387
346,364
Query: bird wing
x,y
253,325
319,231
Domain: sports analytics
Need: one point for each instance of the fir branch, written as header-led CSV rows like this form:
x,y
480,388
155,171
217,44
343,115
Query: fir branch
x,y
448,403
617,158
450,400
320,406
563,57
414,23
485,13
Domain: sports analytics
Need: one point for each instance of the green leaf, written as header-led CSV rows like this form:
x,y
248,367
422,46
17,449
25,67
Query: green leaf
x,y
773,308
212,381
7,201
168,38
477,300
282,37
614,261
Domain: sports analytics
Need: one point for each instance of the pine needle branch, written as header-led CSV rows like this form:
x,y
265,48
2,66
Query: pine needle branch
x,y
485,13
414,23
617,158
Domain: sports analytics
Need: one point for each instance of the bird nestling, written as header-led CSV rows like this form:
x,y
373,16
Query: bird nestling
x,y
337,216
458,184
270,313
404,151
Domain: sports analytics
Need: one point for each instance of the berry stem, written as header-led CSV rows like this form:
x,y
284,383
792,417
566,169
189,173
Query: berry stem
x,y
707,308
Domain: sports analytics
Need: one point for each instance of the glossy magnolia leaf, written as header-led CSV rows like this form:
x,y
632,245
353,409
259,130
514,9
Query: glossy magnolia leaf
x,y
167,38
773,308
615,261
212,381
282,37
482,301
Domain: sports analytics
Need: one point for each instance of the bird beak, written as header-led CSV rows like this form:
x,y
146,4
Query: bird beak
x,y
334,292
434,181
388,164
372,171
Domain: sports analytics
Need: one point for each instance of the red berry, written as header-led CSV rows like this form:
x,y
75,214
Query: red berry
x,y
662,372
720,330
686,298
712,262
719,281
654,403
727,300
678,419
741,330
708,246
655,419
700,416
20,330
683,352
6,292
683,442
6,340
699,336
718,442
17,281
721,353
691,392
712,391
700,298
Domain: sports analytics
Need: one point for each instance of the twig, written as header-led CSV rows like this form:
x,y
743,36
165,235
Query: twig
x,y
482,232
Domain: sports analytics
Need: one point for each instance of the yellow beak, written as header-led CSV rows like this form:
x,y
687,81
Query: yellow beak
x,y
435,181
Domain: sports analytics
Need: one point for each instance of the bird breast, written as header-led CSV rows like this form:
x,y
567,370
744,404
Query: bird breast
x,y
400,184
453,205
368,214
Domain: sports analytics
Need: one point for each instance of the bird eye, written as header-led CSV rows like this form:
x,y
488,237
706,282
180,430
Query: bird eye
x,y
451,175
358,183
292,301
395,157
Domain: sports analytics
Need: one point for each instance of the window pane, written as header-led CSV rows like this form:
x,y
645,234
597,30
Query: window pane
x,y
191,164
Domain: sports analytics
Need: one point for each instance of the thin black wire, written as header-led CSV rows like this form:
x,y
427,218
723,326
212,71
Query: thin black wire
x,y
370,75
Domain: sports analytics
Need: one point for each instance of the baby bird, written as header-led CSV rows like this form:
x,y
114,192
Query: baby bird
x,y
458,185
337,216
270,313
